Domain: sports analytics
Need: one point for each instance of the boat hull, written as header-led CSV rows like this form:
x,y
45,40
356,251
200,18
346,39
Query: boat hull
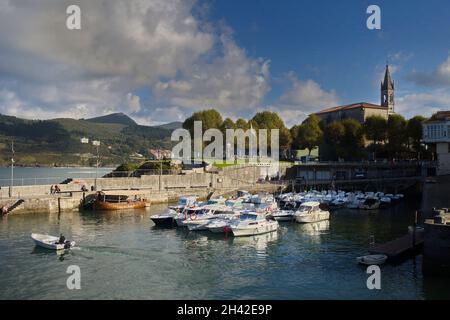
x,y
310,218
163,221
112,206
251,230
49,242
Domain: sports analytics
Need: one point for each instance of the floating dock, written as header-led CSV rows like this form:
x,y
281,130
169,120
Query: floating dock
x,y
400,248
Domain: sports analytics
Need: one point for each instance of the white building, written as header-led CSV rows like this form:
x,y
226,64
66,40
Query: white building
x,y
436,131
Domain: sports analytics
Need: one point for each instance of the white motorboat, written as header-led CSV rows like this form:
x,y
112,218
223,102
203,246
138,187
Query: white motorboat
x,y
165,219
283,215
252,223
372,259
50,242
189,213
184,202
209,212
311,212
219,225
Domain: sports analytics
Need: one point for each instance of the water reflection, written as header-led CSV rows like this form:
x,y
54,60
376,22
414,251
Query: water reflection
x,y
259,242
314,229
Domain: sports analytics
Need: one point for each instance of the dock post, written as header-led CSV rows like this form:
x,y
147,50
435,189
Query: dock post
x,y
414,230
59,205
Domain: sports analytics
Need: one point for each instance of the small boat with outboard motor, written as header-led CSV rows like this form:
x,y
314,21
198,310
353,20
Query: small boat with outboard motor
x,y
51,242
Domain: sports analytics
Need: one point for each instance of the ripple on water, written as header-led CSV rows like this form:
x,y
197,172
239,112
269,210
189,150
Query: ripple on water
x,y
123,256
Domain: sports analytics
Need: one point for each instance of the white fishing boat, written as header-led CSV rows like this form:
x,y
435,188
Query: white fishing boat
x,y
311,212
252,223
373,259
51,242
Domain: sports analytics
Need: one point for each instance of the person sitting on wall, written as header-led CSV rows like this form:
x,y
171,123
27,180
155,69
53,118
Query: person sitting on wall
x,y
52,189
57,189
84,188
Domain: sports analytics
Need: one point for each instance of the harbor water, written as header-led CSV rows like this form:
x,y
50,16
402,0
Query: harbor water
x,y
121,255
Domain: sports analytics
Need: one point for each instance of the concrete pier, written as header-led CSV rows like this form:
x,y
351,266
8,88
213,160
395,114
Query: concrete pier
x,y
155,188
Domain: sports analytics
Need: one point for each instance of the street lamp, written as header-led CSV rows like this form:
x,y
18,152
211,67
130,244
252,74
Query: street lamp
x,y
95,143
12,169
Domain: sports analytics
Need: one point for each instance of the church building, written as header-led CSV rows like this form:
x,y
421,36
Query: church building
x,y
362,110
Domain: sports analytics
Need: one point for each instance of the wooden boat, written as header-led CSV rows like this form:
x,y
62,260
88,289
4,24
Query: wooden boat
x,y
117,202
50,242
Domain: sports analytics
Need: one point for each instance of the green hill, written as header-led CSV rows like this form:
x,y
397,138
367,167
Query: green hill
x,y
117,118
58,141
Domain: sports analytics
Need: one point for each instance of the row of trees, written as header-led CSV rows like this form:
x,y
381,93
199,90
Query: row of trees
x,y
347,139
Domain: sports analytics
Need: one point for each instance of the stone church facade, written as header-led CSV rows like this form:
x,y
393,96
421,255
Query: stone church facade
x,y
362,110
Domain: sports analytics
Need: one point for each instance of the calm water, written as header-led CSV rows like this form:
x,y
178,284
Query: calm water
x,y
122,256
32,176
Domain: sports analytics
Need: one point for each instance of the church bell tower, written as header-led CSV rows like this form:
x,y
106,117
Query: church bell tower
x,y
387,92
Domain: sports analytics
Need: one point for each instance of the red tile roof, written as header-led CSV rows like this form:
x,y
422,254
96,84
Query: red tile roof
x,y
352,106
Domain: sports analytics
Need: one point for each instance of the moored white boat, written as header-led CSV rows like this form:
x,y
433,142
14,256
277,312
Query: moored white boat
x,y
282,215
252,223
165,219
311,212
50,242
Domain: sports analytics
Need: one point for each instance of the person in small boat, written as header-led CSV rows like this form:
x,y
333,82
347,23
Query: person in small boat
x,y
62,239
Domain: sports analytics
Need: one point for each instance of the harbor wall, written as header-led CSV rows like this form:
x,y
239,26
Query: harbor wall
x,y
154,188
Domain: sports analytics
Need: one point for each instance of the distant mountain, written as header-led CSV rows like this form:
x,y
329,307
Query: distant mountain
x,y
58,141
118,118
170,126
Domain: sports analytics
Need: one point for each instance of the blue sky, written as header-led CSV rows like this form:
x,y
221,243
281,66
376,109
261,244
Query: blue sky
x,y
161,60
328,41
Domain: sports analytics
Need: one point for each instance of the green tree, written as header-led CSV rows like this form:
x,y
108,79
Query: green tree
x,y
227,124
396,135
352,143
375,129
414,134
210,119
309,134
242,124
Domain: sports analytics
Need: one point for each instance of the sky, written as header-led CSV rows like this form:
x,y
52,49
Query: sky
x,y
160,60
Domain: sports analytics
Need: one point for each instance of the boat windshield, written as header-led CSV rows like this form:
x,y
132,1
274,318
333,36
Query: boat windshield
x,y
246,216
305,208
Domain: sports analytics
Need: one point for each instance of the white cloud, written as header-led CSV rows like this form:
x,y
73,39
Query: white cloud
x,y
303,98
438,78
230,81
124,47
307,96
424,104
